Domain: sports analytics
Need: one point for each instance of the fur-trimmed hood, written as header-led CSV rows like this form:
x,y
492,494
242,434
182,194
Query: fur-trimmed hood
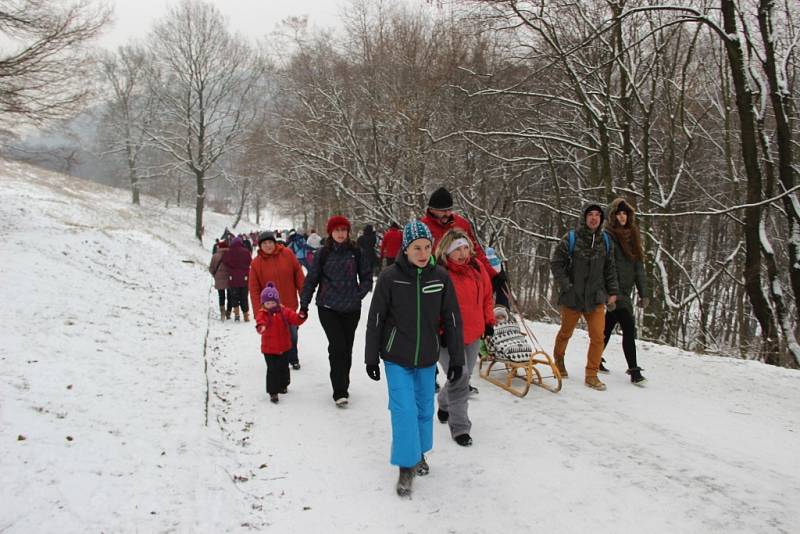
x,y
620,204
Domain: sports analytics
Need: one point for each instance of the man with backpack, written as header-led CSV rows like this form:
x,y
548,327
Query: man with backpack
x,y
583,268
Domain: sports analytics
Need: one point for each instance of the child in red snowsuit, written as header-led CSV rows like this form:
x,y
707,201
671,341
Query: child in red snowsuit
x,y
272,322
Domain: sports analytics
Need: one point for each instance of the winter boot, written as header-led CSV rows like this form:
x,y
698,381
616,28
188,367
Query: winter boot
x,y
227,314
603,368
222,314
562,369
247,316
422,467
273,398
341,402
404,481
236,314
443,415
594,383
636,376
296,366
473,390
464,440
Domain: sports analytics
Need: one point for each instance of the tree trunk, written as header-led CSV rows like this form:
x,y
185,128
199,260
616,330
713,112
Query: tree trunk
x,y
747,119
199,205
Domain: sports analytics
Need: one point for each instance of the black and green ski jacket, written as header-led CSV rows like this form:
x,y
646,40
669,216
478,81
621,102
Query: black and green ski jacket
x,y
409,306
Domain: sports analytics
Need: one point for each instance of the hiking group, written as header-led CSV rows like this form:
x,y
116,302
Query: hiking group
x,y
438,296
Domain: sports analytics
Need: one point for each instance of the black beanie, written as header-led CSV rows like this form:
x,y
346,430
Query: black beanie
x,y
441,199
266,236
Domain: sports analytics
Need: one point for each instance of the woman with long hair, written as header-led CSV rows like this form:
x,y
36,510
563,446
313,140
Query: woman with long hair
x,y
621,225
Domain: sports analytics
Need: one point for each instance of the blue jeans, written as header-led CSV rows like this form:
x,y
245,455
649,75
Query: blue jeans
x,y
411,406
292,353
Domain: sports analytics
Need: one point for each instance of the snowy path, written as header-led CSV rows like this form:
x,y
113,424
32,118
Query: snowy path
x,y
102,410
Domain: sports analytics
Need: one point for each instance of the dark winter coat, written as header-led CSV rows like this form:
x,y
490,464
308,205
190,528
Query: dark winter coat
x,y
630,272
367,243
588,277
344,278
218,269
409,307
237,260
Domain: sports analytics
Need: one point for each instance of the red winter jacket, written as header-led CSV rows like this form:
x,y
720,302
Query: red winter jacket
x,y
474,295
391,243
457,221
274,329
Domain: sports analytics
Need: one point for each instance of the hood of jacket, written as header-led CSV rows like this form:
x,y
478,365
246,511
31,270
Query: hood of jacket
x,y
620,204
586,209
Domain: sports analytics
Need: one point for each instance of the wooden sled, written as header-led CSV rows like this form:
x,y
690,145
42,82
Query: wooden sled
x,y
502,372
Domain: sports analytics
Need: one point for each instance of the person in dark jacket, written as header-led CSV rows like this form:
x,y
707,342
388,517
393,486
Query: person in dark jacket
x,y
237,260
629,262
413,299
367,242
344,277
587,281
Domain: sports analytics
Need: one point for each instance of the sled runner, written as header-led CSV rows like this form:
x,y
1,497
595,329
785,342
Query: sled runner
x,y
510,355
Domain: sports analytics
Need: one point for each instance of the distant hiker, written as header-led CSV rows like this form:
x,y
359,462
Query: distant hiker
x,y
440,217
583,267
413,299
367,242
391,243
629,263
474,294
220,273
237,260
344,277
277,264
247,243
297,244
273,322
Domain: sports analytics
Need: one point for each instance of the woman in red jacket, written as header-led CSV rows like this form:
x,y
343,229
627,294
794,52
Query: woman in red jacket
x,y
473,287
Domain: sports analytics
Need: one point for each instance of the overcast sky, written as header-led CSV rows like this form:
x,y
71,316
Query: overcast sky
x,y
253,18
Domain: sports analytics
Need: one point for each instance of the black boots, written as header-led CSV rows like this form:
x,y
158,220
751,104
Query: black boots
x,y
405,480
636,376
443,415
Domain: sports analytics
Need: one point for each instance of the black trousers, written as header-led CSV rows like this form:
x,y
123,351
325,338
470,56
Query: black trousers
x,y
238,296
340,329
625,318
221,295
277,372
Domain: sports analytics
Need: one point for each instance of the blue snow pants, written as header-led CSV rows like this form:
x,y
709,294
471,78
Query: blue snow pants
x,y
411,405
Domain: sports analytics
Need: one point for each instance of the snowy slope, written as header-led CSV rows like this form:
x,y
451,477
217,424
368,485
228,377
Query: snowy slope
x,y
109,353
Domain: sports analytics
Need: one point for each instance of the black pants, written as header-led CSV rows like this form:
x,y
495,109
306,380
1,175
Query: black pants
x,y
625,318
277,372
237,296
340,329
221,295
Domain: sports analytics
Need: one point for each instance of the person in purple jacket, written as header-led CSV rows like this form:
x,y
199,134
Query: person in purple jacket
x,y
237,260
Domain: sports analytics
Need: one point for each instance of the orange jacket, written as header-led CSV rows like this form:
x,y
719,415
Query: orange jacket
x,y
282,268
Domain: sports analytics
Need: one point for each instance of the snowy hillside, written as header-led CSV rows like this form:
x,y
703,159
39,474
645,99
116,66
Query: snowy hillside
x,y
125,406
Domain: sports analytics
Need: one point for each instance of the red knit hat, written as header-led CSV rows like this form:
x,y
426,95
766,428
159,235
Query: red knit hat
x,y
335,222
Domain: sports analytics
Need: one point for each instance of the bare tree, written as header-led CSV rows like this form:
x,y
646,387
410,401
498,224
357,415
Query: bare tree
x,y
131,109
204,80
44,64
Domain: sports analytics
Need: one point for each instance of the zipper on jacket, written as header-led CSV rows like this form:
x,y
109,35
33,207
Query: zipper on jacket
x,y
419,319
391,339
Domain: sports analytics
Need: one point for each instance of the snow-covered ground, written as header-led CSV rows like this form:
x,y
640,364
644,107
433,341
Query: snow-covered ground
x,y
126,406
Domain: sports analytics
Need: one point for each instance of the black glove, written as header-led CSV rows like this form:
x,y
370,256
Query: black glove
x,y
374,372
454,372
488,331
500,278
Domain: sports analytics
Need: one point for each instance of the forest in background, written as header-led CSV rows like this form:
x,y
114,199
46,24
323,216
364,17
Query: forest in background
x,y
524,110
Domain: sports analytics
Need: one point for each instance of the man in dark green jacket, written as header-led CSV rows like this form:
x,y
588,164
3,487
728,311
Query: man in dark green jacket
x,y
583,267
